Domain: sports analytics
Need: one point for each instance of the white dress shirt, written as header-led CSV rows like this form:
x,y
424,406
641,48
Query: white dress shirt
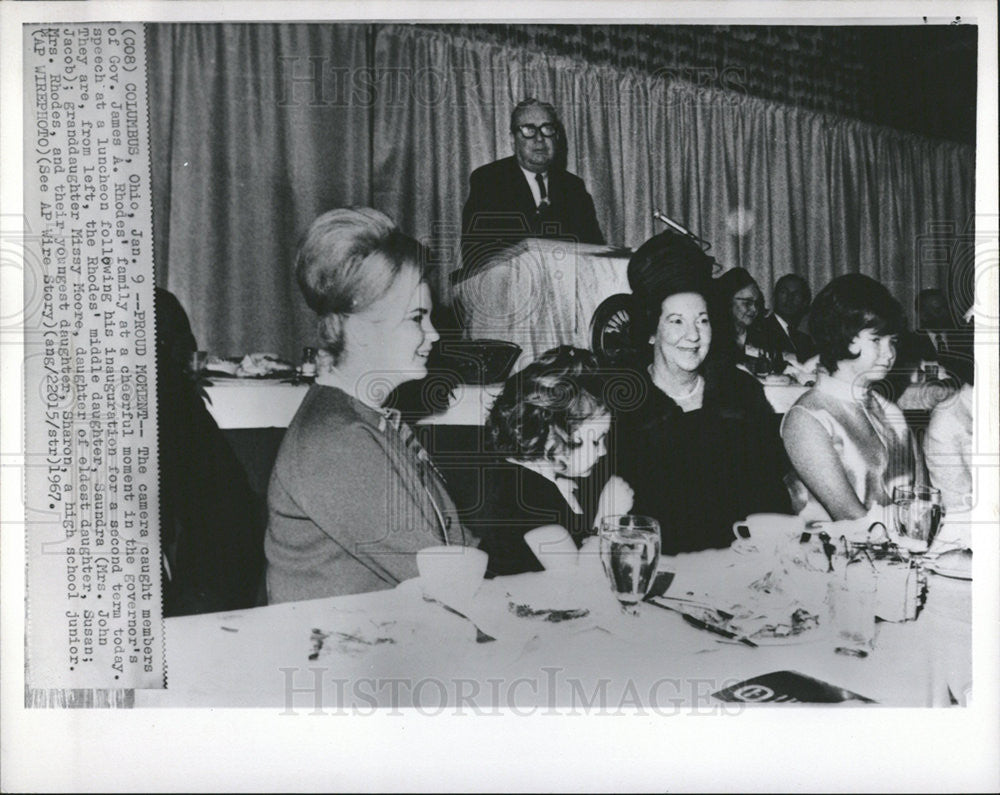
x,y
533,184
783,324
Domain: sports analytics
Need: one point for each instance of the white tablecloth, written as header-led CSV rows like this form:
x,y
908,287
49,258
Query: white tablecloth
x,y
249,404
261,405
427,656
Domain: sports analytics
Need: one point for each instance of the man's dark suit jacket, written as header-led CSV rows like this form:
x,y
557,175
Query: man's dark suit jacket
x,y
774,338
501,210
956,357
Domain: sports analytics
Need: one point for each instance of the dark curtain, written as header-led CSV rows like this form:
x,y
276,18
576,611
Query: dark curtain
x,y
256,129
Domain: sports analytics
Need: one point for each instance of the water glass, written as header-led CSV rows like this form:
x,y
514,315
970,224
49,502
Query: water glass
x,y
852,599
630,553
917,516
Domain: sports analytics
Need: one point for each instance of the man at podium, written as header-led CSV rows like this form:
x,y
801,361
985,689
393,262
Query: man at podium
x,y
527,195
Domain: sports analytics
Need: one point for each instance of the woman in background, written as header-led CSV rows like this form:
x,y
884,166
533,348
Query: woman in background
x,y
948,449
352,495
741,304
548,430
699,444
849,445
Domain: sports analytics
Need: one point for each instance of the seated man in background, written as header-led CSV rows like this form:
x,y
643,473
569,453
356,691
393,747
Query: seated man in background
x,y
528,194
938,338
792,297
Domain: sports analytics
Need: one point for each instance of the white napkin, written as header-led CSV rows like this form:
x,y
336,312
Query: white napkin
x,y
553,547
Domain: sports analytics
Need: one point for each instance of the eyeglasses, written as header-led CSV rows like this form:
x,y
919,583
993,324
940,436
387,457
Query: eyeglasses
x,y
548,130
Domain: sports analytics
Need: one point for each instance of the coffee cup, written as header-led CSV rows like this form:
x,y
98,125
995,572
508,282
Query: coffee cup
x,y
768,531
451,574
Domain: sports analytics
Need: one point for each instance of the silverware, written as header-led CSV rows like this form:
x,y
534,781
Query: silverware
x,y
700,624
481,637
697,622
718,611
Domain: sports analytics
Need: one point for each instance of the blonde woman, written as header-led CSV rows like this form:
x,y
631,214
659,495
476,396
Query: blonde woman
x,y
352,495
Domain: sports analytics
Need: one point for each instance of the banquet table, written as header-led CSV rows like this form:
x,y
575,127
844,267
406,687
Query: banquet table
x,y
392,648
272,405
263,404
238,404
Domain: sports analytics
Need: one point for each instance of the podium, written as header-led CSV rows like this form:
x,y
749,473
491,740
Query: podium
x,y
541,293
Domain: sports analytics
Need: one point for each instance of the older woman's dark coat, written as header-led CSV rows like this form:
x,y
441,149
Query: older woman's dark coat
x,y
699,472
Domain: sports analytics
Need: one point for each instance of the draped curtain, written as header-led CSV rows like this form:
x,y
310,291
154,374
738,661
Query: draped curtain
x,y
256,129
246,152
821,68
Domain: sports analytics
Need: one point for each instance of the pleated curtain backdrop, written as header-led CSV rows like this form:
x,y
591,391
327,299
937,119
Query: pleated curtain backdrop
x,y
250,145
244,158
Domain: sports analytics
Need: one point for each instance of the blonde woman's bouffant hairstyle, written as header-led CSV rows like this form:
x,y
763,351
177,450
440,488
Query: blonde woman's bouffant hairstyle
x,y
348,259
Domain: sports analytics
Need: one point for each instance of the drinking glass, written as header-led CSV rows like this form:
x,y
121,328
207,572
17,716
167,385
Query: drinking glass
x,y
761,364
853,600
630,553
918,513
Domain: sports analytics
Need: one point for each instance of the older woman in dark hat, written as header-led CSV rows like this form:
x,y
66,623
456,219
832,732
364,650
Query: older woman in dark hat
x,y
699,444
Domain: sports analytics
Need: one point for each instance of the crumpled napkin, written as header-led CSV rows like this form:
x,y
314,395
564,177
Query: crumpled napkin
x,y
257,364
762,592
803,372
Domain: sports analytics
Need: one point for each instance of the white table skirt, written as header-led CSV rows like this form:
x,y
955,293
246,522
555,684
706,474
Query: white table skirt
x,y
260,657
255,405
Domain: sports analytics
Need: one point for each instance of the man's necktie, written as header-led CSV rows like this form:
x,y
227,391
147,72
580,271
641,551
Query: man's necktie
x,y
544,201
942,342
